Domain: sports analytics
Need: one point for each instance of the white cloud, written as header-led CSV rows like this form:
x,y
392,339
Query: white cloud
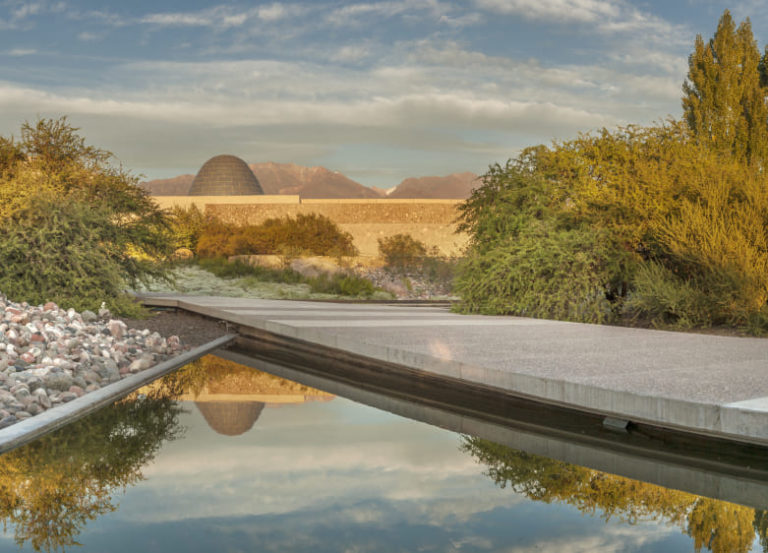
x,y
88,36
21,52
354,13
559,10
606,16
272,12
218,16
351,53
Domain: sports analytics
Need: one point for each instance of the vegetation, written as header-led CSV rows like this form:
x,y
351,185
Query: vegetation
x,y
305,235
74,229
339,284
662,225
401,251
717,526
409,258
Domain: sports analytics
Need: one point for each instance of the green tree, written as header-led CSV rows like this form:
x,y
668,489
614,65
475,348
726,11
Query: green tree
x,y
724,100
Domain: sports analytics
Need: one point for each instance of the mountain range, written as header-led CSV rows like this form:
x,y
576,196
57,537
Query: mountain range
x,y
319,182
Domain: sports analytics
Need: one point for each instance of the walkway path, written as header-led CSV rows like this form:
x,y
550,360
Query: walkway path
x,y
711,384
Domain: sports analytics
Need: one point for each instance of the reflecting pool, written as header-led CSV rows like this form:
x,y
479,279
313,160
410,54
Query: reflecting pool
x,y
221,457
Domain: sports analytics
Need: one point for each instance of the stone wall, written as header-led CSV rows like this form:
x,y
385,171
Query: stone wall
x,y
431,221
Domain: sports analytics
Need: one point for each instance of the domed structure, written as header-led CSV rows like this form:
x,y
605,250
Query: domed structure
x,y
225,175
230,418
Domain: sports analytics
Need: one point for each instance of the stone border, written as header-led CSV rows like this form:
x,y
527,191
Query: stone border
x,y
32,428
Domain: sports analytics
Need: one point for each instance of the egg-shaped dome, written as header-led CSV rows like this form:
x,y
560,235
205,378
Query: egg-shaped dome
x,y
230,418
225,175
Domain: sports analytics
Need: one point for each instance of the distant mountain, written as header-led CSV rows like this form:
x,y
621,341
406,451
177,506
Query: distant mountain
x,y
455,186
177,186
383,192
308,182
319,182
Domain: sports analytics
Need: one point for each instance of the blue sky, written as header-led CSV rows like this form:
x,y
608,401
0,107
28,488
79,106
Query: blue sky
x,y
377,90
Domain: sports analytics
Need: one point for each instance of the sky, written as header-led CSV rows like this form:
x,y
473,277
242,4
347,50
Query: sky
x,y
379,91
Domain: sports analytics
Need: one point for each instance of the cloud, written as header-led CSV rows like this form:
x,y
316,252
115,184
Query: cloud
x,y
353,14
88,36
606,16
351,53
16,52
558,10
272,12
222,17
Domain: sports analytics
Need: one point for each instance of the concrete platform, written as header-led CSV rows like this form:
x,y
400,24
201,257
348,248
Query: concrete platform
x,y
712,385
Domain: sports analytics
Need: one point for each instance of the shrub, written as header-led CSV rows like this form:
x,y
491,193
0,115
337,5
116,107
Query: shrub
x,y
677,228
186,226
527,258
122,241
61,252
305,235
402,251
342,284
237,269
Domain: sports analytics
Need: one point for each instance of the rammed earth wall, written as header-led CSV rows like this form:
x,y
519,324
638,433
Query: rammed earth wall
x,y
431,221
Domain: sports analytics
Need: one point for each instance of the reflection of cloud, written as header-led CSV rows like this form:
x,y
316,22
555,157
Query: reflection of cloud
x,y
611,539
441,350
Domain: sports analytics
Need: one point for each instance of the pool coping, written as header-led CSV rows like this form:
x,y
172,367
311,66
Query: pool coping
x,y
743,422
57,417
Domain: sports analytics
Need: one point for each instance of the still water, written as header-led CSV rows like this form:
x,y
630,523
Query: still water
x,y
221,457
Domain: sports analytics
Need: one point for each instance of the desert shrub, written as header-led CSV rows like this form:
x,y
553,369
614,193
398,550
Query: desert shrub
x,y
528,258
401,251
659,206
126,231
58,252
342,284
186,225
237,269
304,235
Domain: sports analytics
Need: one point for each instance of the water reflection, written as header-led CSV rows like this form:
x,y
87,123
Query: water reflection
x,y
52,487
714,525
231,396
325,477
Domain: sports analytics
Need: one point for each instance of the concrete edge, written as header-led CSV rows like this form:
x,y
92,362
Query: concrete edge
x,y
728,421
32,428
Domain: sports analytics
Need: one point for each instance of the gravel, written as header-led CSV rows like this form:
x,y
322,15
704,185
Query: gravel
x,y
49,355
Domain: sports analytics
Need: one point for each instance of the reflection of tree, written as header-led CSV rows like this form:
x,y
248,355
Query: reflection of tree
x,y
718,526
761,528
52,487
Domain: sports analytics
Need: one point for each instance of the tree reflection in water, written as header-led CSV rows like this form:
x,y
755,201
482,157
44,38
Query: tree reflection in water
x,y
52,487
714,525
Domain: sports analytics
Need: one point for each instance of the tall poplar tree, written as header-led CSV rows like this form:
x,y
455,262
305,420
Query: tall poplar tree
x,y
724,100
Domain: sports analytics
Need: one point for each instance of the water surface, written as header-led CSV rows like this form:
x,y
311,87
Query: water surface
x,y
224,458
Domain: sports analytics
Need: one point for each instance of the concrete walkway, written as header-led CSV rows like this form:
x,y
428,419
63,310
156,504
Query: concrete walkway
x,y
708,384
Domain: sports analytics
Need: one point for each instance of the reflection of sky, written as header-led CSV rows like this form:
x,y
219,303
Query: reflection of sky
x,y
336,476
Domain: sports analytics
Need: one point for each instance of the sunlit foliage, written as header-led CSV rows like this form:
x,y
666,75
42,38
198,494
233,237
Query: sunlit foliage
x,y
304,235
52,177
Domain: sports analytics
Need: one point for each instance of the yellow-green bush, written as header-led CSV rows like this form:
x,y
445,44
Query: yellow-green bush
x,y
305,235
75,229
674,232
402,250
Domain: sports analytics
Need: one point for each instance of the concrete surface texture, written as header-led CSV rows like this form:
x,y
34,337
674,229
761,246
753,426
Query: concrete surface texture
x,y
715,385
